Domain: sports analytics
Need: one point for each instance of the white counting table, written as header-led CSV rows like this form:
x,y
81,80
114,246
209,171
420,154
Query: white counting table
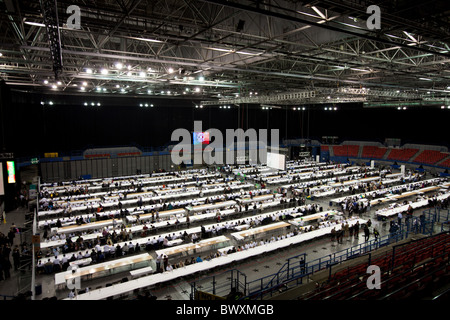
x,y
151,280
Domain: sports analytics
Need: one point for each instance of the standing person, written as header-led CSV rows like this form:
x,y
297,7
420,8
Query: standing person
x,y
376,233
399,217
346,230
356,230
16,258
11,235
366,233
166,262
6,266
158,263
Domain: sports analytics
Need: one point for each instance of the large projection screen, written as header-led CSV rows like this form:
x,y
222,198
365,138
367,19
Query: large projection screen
x,y
276,161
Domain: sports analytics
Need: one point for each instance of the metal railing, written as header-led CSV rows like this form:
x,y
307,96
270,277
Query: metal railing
x,y
291,273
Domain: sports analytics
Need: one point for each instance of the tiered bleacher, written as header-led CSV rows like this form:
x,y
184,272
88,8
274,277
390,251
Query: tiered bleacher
x,y
411,270
373,152
430,157
346,150
402,154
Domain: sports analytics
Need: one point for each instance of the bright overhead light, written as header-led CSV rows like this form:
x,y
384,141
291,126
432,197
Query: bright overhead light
x,y
142,74
117,86
119,65
99,89
197,89
122,90
98,104
45,81
82,88
170,70
50,103
84,83
201,78
145,39
59,83
149,91
37,24
54,86
104,71
88,70
85,103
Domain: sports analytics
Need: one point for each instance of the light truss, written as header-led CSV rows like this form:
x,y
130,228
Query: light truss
x,y
279,48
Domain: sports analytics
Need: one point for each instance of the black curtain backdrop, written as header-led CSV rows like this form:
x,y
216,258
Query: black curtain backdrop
x,y
32,128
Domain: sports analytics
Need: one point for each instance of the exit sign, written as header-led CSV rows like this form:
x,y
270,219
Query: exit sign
x,y
34,160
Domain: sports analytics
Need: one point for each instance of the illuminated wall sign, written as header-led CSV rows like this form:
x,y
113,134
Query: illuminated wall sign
x,y
10,168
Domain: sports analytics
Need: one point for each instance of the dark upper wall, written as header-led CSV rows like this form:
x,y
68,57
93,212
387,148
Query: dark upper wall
x,y
31,128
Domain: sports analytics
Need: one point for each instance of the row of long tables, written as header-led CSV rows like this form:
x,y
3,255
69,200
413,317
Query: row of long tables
x,y
221,261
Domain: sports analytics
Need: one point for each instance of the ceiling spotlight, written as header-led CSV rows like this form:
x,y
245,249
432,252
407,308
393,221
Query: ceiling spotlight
x,y
197,89
85,103
117,86
42,102
146,105
170,70
335,108
303,108
119,65
92,104
50,103
98,104
54,86
201,78
104,71
88,70
122,90
82,88
142,74
140,105
326,108
59,83
84,83
45,81
151,105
